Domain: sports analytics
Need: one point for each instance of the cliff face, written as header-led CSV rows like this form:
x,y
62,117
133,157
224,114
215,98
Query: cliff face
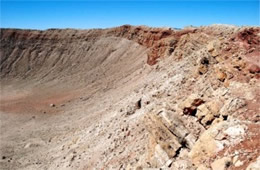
x,y
130,97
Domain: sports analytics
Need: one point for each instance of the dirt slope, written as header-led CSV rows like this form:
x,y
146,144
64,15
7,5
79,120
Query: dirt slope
x,y
130,97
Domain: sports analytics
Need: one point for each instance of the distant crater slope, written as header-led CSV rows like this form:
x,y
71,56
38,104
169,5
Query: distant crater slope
x,y
34,53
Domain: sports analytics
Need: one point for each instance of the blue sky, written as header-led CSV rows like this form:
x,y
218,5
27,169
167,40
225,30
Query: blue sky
x,y
102,14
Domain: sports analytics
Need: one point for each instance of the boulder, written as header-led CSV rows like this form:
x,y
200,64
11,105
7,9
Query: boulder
x,y
207,120
173,122
215,106
202,111
159,133
204,115
189,106
214,139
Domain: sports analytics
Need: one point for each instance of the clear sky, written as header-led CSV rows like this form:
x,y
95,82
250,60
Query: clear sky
x,y
102,14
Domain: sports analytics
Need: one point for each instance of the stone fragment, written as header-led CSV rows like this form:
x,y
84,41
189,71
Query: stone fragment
x,y
52,105
232,105
205,147
189,110
235,158
202,167
254,165
202,69
197,102
173,123
205,115
207,120
167,164
161,155
213,48
238,163
190,140
253,68
27,145
210,142
210,46
189,106
221,75
163,136
131,109
215,53
187,102
217,120
202,111
235,131
214,107
221,164
182,164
